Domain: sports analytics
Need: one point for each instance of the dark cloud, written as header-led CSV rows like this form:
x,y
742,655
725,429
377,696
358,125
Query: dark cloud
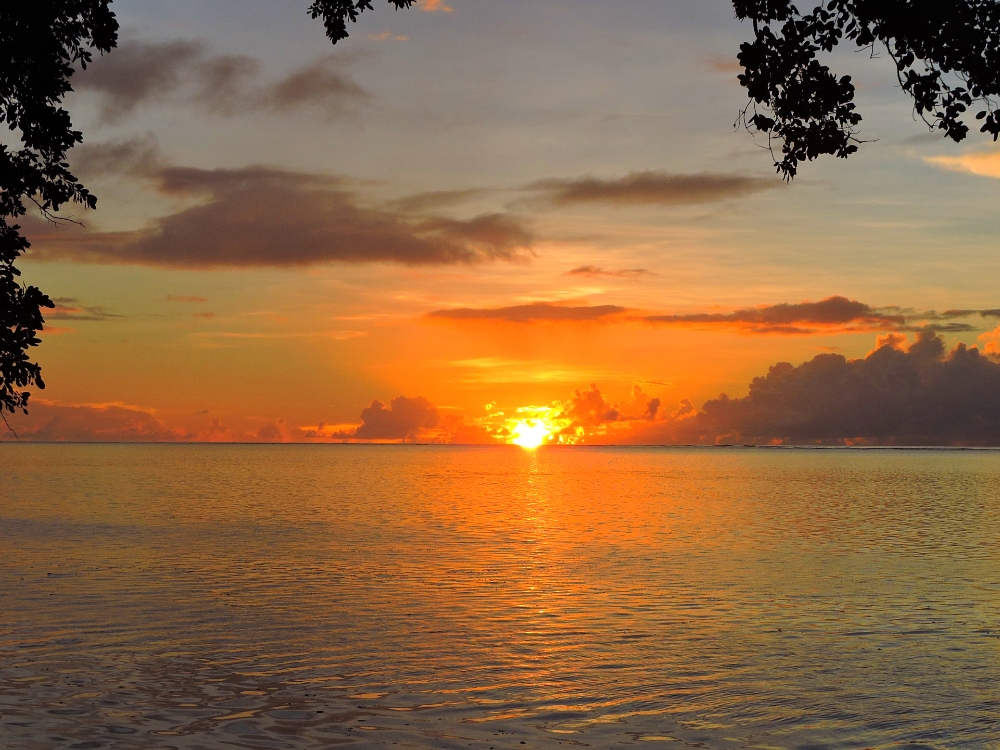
x,y
922,395
831,315
532,313
617,273
51,422
182,71
261,216
834,314
320,83
139,157
69,308
269,433
651,188
403,420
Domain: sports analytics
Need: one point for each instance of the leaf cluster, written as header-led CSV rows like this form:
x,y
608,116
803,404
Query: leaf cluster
x,y
43,41
947,57
336,14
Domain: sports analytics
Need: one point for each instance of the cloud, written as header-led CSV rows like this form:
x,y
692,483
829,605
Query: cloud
x,y
435,199
589,409
982,163
533,313
921,395
616,273
319,83
69,308
403,420
434,6
262,216
651,188
387,36
52,422
832,315
138,72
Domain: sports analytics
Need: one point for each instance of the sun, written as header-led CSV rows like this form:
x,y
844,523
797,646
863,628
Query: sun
x,y
529,433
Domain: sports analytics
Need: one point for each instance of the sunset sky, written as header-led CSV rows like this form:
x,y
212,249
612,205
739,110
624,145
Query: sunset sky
x,y
480,207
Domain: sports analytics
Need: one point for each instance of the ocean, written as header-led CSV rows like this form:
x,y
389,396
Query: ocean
x,y
293,596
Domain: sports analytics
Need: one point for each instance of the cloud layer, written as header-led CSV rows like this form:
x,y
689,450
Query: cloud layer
x,y
138,73
614,273
262,216
832,315
119,423
919,396
533,313
651,188
803,317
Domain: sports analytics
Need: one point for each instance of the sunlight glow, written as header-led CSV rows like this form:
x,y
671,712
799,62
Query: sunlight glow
x,y
530,433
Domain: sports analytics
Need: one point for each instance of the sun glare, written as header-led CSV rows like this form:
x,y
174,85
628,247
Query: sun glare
x,y
530,433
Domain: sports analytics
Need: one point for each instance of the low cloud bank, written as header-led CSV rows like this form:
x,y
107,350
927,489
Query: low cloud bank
x,y
922,395
82,423
404,419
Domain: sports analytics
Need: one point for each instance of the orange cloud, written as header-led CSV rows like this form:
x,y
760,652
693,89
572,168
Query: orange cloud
x,y
982,163
991,341
434,6
387,36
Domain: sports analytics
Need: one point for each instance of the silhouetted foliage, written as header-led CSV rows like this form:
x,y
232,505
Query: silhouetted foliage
x,y
41,42
336,14
947,57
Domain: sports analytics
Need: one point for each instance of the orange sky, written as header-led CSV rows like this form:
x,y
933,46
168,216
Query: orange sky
x,y
471,205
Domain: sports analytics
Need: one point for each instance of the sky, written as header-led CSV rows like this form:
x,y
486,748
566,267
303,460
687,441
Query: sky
x,y
483,222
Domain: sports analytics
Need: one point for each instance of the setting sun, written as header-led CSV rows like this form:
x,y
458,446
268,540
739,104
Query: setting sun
x,y
530,433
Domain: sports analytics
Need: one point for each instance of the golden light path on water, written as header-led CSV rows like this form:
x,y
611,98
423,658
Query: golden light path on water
x,y
189,597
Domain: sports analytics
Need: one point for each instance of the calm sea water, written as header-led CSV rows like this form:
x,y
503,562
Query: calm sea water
x,y
301,596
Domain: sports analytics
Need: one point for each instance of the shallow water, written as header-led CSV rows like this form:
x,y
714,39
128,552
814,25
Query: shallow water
x,y
308,596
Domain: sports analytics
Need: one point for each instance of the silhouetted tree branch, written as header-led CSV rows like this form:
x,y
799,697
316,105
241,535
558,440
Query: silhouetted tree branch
x,y
947,57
